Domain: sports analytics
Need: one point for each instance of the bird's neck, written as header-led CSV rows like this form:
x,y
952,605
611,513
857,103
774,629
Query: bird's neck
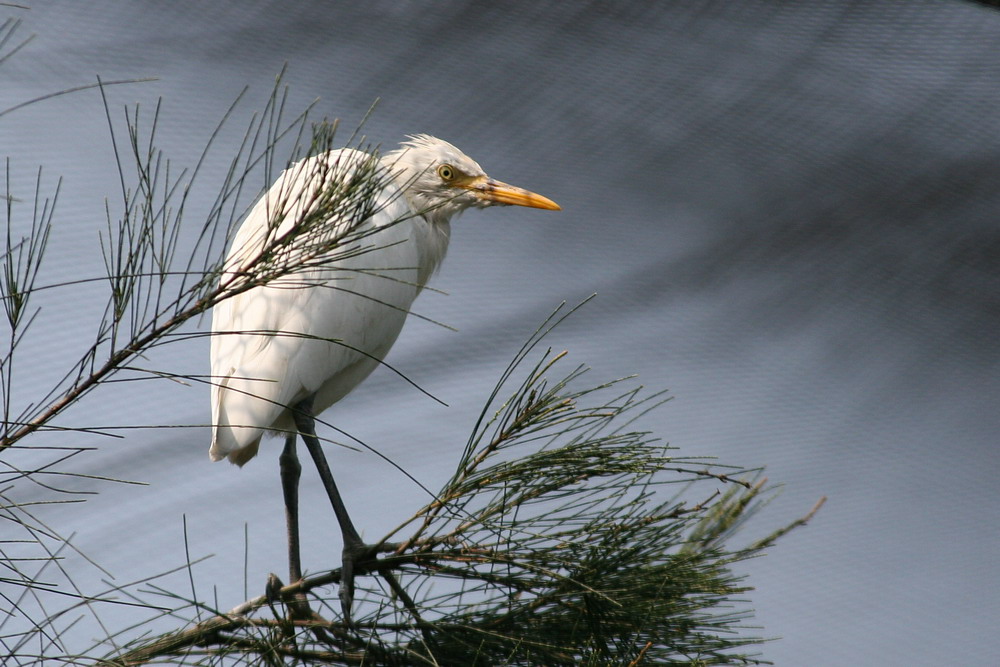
x,y
432,246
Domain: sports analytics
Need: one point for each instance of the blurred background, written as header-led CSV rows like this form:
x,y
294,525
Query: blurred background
x,y
788,211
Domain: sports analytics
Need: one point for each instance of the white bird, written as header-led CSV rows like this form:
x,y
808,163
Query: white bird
x,y
287,350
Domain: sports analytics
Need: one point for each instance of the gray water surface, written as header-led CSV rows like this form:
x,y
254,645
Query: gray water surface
x,y
788,213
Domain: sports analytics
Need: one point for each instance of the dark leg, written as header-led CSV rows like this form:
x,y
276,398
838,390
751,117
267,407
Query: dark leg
x,y
355,550
291,470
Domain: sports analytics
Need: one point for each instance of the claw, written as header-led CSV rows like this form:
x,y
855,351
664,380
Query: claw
x,y
356,557
347,584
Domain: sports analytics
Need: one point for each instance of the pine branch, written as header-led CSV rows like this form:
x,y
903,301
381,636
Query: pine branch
x,y
552,544
139,252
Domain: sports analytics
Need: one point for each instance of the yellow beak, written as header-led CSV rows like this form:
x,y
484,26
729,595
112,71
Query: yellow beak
x,y
498,192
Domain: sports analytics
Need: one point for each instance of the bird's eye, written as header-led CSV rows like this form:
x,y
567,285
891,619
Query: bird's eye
x,y
447,172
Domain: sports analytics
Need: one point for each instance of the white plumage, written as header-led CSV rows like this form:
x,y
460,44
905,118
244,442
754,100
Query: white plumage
x,y
272,346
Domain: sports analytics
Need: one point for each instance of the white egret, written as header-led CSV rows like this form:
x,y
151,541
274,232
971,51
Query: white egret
x,y
287,350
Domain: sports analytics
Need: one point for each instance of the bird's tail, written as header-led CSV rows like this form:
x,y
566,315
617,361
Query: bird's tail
x,y
235,454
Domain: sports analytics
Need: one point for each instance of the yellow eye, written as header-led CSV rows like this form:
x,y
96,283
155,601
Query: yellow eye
x,y
447,172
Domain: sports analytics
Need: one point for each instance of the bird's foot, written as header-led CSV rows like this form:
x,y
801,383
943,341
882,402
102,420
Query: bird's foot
x,y
358,559
298,608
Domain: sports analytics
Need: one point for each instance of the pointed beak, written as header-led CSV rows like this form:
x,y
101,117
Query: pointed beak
x,y
497,192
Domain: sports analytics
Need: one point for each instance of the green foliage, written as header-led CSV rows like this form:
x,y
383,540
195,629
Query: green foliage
x,y
565,537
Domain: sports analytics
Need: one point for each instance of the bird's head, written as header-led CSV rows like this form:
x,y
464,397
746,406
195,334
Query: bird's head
x,y
440,181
